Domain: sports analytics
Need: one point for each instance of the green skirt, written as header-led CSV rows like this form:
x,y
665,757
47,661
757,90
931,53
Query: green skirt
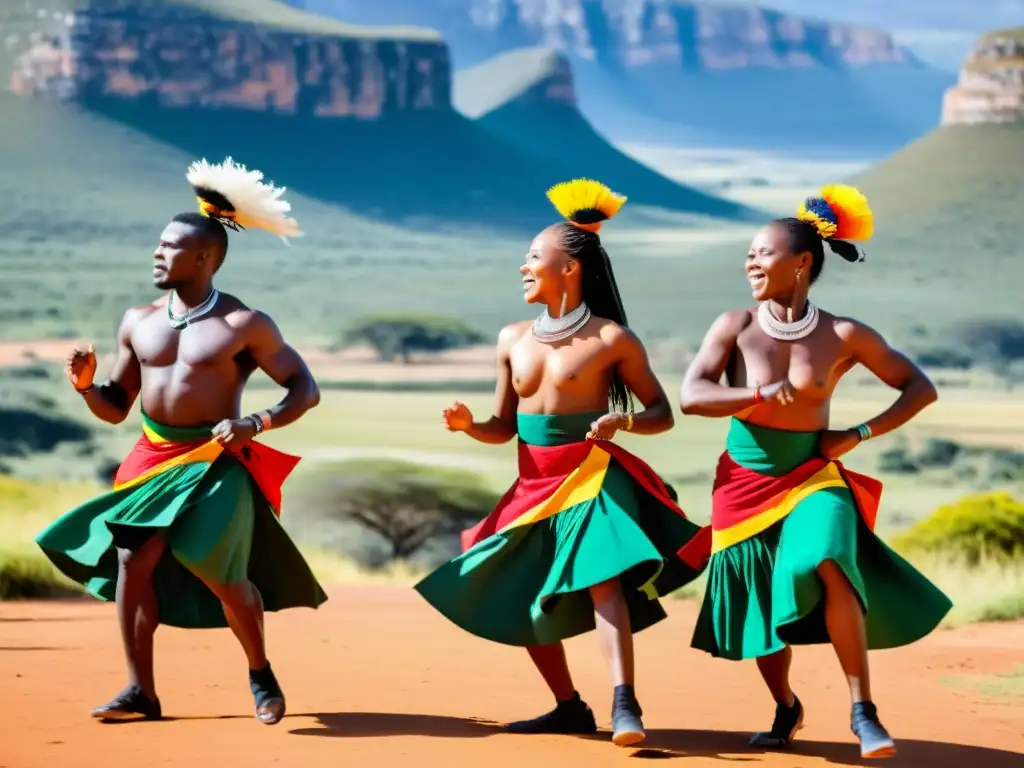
x,y
528,585
764,593
219,528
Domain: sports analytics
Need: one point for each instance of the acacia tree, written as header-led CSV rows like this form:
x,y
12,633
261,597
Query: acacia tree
x,y
407,504
400,335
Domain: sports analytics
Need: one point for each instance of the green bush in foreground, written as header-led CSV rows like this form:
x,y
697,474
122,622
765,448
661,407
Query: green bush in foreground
x,y
982,526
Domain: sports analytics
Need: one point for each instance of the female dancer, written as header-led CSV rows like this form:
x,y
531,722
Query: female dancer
x,y
794,558
588,534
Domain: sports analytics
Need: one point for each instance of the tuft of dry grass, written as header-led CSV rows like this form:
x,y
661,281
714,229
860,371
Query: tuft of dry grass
x,y
991,590
334,569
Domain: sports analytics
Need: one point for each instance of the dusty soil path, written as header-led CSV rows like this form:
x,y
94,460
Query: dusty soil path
x,y
377,679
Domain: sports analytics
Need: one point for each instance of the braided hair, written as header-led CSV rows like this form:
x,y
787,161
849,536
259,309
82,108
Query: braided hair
x,y
600,292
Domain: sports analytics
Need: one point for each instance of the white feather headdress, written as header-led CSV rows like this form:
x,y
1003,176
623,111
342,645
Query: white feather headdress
x,y
238,198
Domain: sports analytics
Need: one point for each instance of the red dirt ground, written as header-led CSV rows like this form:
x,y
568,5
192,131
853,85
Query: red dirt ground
x,y
376,678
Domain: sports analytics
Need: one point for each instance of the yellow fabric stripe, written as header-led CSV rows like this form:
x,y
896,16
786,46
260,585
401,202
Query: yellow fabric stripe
x,y
582,484
827,477
207,452
151,435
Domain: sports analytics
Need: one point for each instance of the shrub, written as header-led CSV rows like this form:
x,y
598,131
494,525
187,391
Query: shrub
x,y
897,462
993,340
939,453
23,432
944,358
987,525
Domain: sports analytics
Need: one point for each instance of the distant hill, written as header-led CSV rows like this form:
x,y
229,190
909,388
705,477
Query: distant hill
x,y
954,198
948,210
527,98
701,73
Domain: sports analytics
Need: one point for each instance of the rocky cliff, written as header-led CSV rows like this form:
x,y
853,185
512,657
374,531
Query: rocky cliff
x,y
991,85
700,73
252,55
695,36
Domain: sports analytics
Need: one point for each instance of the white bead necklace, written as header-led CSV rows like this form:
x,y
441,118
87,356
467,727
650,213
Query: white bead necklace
x,y
550,329
782,331
177,322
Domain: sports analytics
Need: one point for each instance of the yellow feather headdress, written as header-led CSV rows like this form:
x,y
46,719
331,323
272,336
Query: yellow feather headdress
x,y
839,212
585,203
238,198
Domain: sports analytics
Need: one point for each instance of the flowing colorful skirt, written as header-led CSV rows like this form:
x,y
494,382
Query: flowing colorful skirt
x,y
582,512
218,513
779,511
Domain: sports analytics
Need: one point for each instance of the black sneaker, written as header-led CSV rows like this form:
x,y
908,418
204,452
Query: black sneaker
x,y
267,695
627,727
129,704
875,741
788,720
570,717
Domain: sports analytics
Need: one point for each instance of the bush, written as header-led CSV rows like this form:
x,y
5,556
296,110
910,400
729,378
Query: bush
x,y
993,341
400,335
939,453
983,526
944,358
24,432
897,462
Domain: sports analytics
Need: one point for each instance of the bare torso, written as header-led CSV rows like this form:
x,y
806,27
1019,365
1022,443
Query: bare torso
x,y
813,365
194,376
569,376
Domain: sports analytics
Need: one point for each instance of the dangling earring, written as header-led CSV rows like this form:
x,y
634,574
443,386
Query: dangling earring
x,y
565,298
796,296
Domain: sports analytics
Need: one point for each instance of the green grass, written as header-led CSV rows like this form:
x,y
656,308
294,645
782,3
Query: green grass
x,y
948,225
1007,685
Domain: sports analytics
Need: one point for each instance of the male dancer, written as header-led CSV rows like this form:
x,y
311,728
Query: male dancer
x,y
189,536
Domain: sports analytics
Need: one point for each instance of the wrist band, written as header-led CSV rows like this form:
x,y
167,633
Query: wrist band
x,y
629,422
864,431
90,388
757,393
260,420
